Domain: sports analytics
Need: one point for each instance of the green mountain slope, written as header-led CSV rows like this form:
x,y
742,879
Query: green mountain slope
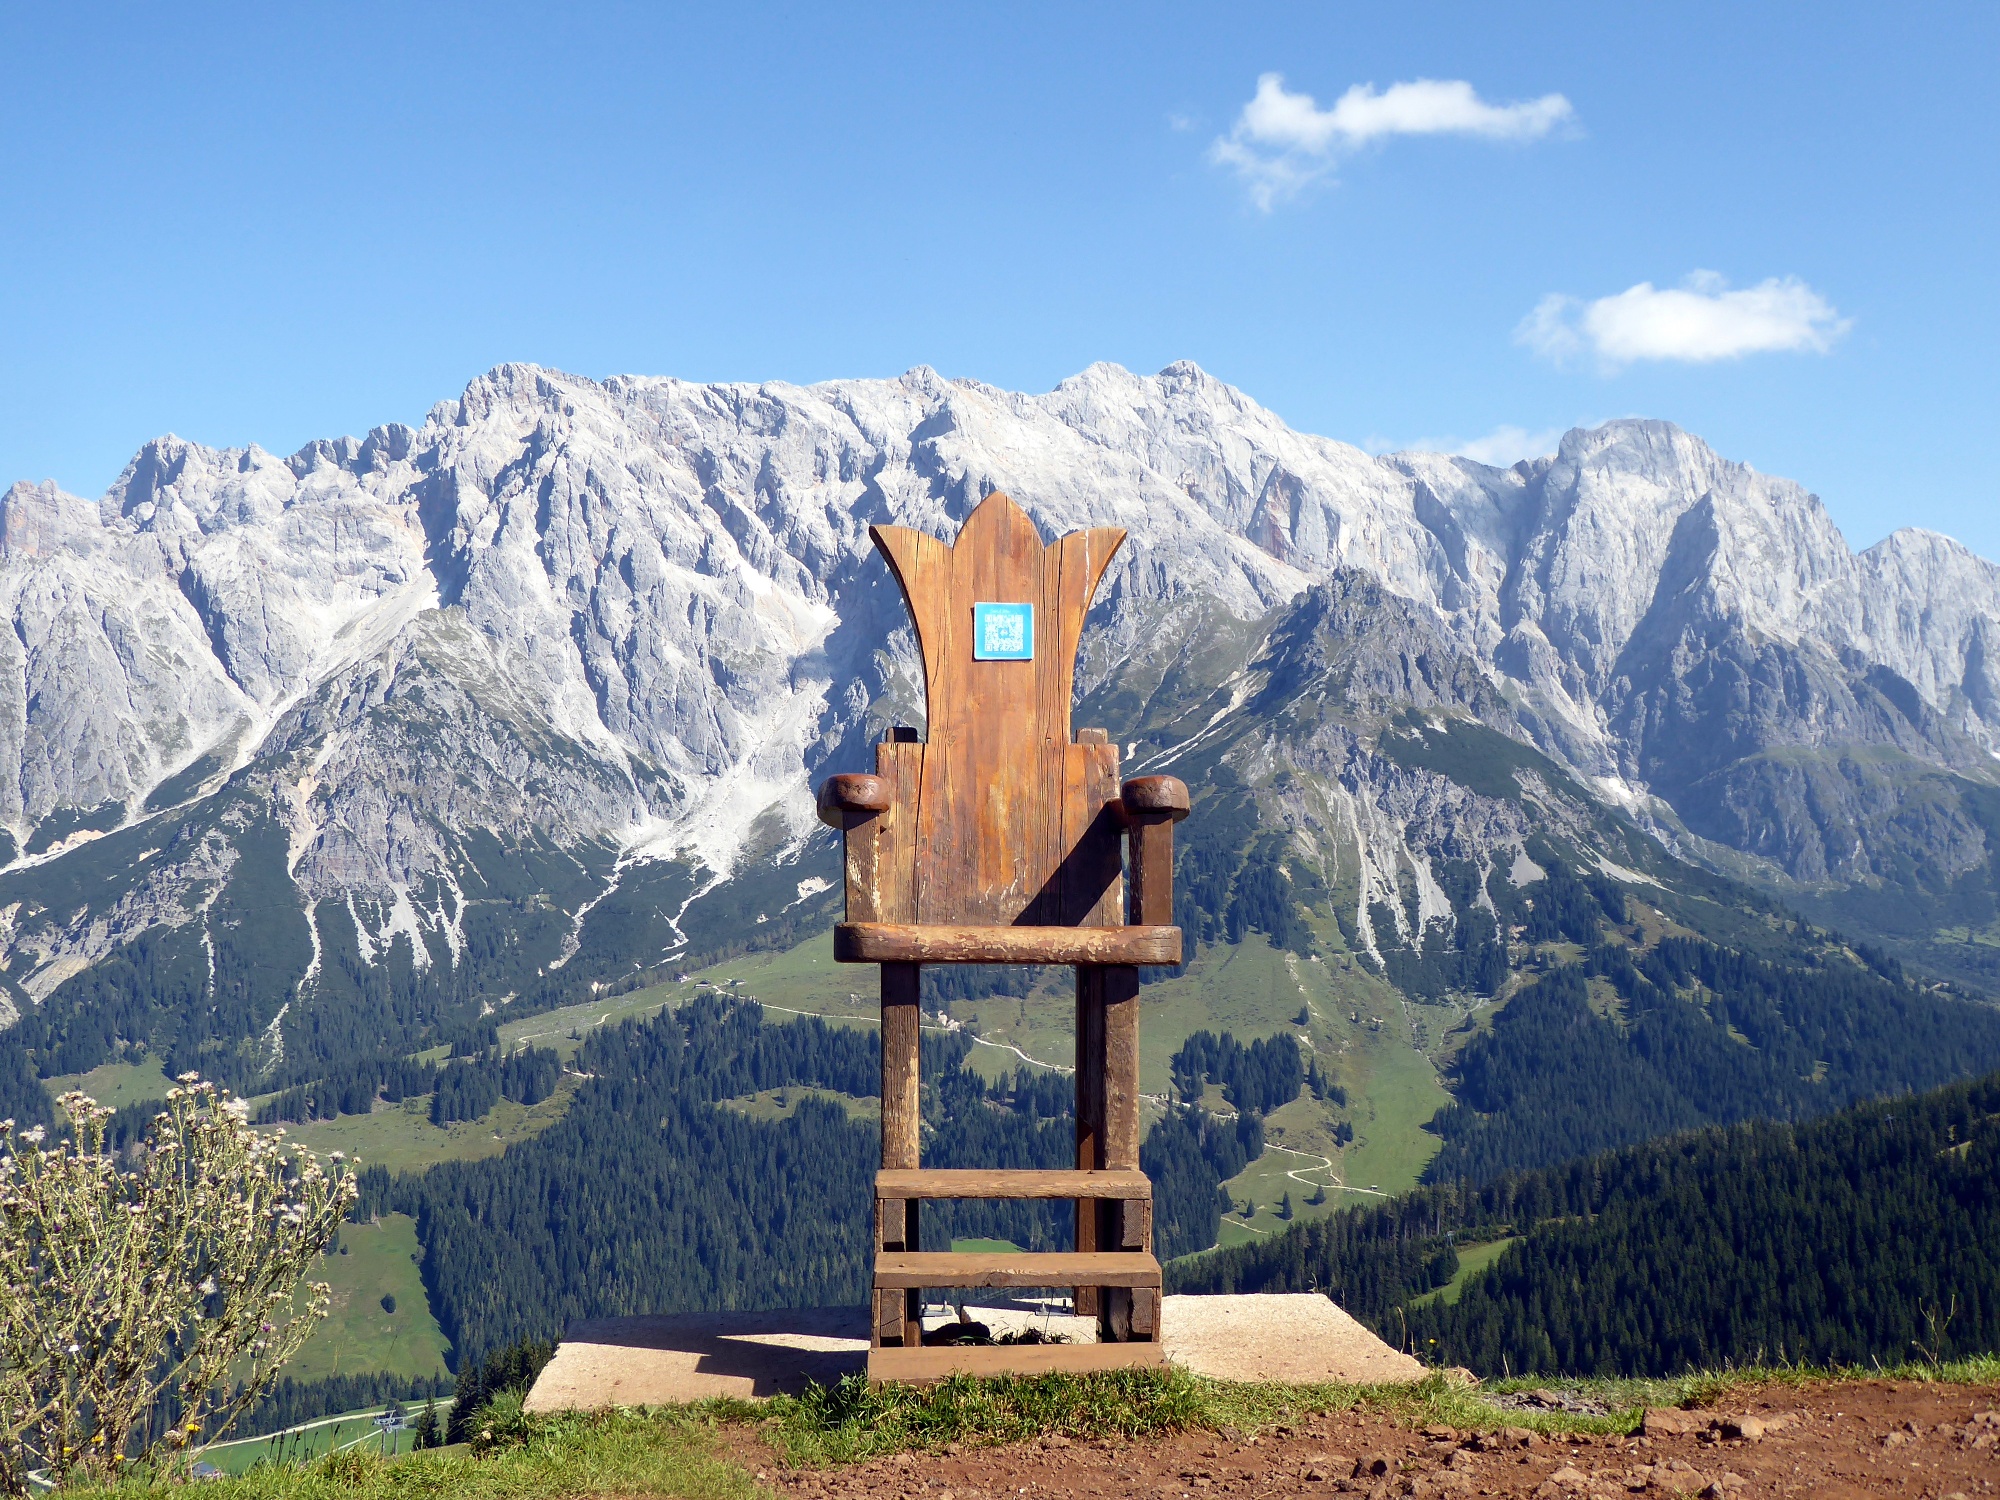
x,y
1867,1235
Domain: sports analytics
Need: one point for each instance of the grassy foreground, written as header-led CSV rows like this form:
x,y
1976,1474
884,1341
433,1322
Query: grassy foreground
x,y
678,1451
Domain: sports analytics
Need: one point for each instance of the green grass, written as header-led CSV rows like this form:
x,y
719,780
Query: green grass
x,y
853,1421
783,1103
402,1138
117,1084
1380,1048
553,1028
614,1453
1397,1092
315,1439
1473,1260
674,1451
803,979
358,1336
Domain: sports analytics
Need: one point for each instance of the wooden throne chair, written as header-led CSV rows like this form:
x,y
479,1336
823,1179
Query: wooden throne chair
x,y
1000,838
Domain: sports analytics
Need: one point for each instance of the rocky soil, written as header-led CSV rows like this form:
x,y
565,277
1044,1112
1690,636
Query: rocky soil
x,y
1853,1438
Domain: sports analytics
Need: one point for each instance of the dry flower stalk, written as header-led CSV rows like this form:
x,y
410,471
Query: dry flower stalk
x,y
180,1274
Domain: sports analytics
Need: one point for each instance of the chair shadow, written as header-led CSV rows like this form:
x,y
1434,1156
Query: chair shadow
x,y
753,1346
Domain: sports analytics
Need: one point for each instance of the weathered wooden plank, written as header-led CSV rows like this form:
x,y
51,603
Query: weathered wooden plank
x,y
940,943
917,1366
901,1131
1135,1223
1121,1066
885,1324
901,1085
1152,888
1145,1314
1087,886
989,820
943,1268
1089,1117
977,1182
899,761
1001,839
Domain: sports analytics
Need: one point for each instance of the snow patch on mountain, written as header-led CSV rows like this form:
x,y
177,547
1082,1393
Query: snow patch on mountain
x,y
645,612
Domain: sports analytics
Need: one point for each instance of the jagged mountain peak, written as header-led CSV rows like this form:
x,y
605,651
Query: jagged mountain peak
x,y
666,589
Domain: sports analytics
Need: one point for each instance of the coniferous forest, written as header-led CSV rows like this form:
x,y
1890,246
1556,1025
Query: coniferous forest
x,y
652,1195
1872,1234
1623,1048
666,1185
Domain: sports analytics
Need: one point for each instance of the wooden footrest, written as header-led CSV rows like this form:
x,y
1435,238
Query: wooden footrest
x,y
919,1366
940,943
913,1269
960,1182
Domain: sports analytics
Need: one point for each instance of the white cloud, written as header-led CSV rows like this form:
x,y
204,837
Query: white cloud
x,y
1281,140
1698,322
1504,445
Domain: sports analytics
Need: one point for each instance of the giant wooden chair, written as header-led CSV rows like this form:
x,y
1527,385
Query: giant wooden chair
x,y
999,839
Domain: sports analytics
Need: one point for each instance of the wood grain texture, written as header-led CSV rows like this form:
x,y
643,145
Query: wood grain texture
x,y
1002,784
852,792
1121,1068
923,1366
897,1220
943,1268
1001,837
938,943
979,1182
1135,1222
1090,1215
1151,794
901,1086
1145,1314
886,1324
1151,896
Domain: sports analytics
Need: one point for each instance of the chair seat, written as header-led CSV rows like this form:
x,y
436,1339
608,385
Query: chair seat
x,y
977,1182
941,943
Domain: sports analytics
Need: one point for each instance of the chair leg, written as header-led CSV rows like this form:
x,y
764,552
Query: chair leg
x,y
901,1150
1089,1117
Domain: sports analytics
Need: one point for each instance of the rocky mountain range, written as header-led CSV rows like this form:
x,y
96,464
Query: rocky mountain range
x,y
540,688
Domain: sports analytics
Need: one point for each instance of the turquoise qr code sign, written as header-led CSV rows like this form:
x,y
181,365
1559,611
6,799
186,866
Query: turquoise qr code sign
x,y
1003,632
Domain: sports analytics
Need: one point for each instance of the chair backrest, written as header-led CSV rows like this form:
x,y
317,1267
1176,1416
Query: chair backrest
x,y
997,817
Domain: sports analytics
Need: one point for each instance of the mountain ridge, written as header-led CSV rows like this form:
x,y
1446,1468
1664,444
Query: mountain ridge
x,y
627,622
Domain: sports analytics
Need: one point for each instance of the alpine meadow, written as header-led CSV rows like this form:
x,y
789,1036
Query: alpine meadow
x,y
1593,872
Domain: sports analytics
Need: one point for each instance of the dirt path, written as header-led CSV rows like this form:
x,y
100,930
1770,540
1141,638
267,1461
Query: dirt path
x,y
1862,1438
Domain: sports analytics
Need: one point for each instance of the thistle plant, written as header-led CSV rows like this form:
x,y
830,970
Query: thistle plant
x,y
180,1275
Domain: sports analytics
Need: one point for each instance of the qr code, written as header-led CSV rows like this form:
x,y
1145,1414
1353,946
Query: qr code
x,y
1006,633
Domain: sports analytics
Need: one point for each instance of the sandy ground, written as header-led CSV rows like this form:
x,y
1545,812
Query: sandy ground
x,y
651,1361
1298,1338
1876,1438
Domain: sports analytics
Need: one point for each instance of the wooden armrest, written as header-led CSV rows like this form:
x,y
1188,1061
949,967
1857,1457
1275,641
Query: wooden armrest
x,y
1155,794
854,792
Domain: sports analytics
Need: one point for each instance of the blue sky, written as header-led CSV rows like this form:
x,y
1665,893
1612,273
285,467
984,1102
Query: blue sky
x,y
276,223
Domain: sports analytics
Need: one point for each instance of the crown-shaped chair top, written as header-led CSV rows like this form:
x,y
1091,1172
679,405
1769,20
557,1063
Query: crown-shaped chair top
x,y
999,559
998,816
